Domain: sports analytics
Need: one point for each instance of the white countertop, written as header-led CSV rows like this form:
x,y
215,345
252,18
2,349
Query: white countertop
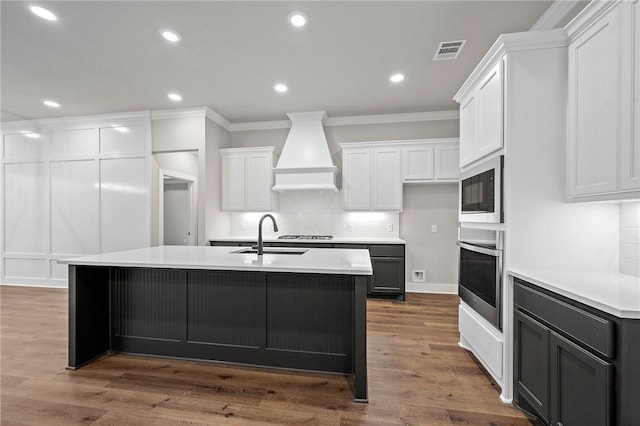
x,y
314,261
341,240
616,294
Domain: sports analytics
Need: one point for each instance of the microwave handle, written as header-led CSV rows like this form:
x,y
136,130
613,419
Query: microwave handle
x,y
483,250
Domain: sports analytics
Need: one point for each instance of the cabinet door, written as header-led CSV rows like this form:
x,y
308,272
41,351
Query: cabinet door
x,y
489,137
593,111
581,385
468,120
387,179
388,275
233,182
447,163
630,148
531,364
259,180
417,163
356,179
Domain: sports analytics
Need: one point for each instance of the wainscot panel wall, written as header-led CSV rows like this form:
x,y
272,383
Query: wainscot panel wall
x,y
71,187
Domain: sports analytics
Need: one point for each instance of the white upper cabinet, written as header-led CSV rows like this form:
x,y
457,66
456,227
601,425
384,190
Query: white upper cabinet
x,y
387,175
603,158
481,117
247,178
371,177
430,160
630,150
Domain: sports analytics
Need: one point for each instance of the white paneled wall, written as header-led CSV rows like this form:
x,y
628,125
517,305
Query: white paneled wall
x,y
72,187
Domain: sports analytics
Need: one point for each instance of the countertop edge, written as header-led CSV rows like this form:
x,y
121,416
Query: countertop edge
x,y
335,240
555,285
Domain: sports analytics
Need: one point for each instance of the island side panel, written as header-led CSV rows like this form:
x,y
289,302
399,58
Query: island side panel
x,y
149,311
89,319
309,322
360,378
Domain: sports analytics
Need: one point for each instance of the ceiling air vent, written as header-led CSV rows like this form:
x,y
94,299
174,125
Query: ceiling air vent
x,y
448,50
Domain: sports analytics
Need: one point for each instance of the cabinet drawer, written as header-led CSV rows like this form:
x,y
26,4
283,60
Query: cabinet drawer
x,y
382,250
591,330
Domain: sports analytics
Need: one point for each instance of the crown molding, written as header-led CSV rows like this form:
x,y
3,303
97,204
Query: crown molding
x,y
75,121
515,42
354,120
217,118
554,15
410,117
259,125
166,114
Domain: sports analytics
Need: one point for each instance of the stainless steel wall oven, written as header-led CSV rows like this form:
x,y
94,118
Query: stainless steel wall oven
x,y
480,272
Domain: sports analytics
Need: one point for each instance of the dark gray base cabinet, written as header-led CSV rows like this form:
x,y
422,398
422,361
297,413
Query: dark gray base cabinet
x,y
574,365
387,260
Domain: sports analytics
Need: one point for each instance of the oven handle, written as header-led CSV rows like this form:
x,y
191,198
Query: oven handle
x,y
478,249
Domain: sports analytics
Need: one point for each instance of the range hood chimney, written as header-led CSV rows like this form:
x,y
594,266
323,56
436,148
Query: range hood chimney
x,y
305,162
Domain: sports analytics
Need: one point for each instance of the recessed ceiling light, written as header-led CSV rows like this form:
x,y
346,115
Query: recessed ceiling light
x,y
170,35
396,78
174,97
52,104
43,13
281,88
297,19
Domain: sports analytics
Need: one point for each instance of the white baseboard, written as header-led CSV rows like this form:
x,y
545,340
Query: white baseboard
x,y
436,288
37,283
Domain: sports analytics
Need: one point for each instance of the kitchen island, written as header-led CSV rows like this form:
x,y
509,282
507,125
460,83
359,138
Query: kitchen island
x,y
293,309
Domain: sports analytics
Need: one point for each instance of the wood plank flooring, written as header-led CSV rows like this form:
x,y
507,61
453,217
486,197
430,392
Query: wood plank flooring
x,y
418,375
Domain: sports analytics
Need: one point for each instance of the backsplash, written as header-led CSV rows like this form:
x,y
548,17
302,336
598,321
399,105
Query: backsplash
x,y
630,239
317,212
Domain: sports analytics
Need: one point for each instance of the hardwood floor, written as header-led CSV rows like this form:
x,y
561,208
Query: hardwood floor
x,y
418,375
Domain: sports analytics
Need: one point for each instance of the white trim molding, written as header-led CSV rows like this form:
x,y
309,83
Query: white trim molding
x,y
555,15
433,288
354,120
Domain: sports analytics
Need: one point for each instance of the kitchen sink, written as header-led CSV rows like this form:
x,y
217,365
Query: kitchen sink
x,y
251,250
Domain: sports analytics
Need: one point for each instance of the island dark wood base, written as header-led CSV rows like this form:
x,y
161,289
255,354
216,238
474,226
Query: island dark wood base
x,y
314,322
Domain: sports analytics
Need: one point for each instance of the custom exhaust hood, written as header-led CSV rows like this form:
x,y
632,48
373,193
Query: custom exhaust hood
x,y
305,162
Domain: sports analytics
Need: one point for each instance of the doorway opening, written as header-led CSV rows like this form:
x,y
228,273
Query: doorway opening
x,y
177,202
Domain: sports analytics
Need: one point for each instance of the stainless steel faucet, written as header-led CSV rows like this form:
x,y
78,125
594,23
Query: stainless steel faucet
x,y
275,228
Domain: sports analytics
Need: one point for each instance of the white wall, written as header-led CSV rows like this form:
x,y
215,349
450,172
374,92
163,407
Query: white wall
x,y
436,253
217,222
176,213
182,162
434,203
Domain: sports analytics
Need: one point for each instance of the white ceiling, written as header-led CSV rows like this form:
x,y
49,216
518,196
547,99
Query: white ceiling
x,y
106,57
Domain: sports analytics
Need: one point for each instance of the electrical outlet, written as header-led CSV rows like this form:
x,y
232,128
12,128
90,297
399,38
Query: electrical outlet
x,y
349,227
434,228
417,275
241,226
389,227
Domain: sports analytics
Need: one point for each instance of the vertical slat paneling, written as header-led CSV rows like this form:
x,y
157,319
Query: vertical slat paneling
x,y
322,307
149,303
226,308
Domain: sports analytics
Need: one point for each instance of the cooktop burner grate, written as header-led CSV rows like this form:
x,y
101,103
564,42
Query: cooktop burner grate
x,y
305,237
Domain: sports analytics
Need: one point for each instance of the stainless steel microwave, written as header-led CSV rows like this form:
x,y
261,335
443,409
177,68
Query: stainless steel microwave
x,y
481,192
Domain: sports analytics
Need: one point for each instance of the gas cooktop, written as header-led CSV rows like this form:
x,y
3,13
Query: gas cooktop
x,y
305,237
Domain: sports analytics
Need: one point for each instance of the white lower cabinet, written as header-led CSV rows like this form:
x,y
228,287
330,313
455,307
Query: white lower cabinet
x,y
603,135
371,177
247,178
